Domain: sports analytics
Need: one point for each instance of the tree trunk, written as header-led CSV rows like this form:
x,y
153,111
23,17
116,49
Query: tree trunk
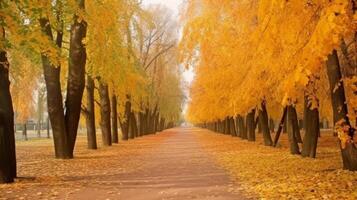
x,y
90,115
340,113
251,125
134,126
141,124
54,97
227,126
242,128
131,132
264,124
24,131
291,128
311,130
48,127
126,123
115,138
271,125
105,114
233,127
76,75
281,125
39,112
7,134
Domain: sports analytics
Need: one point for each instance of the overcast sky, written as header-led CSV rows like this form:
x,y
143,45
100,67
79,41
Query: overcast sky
x,y
175,6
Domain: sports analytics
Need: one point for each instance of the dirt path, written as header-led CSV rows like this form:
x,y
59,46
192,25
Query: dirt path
x,y
177,169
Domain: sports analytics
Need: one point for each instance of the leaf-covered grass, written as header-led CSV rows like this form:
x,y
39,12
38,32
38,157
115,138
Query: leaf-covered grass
x,y
273,173
41,176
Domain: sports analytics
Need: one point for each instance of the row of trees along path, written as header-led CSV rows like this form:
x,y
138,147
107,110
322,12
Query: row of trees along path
x,y
294,57
115,60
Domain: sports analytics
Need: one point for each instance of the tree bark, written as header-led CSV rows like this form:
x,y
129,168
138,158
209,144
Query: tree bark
x,y
115,138
126,123
54,97
134,126
233,127
24,131
105,114
291,128
76,75
7,134
271,125
340,112
90,114
281,125
251,125
227,126
311,130
264,124
48,127
242,128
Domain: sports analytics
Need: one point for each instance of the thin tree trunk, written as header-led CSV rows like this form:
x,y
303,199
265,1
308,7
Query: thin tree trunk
x,y
281,126
90,114
105,114
311,130
7,135
48,127
271,125
251,125
227,126
340,113
141,124
24,131
264,124
291,128
115,138
126,123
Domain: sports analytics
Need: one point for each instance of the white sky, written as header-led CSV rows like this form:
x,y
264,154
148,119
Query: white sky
x,y
175,6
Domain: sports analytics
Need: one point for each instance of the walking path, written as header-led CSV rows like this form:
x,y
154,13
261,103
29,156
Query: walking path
x,y
178,168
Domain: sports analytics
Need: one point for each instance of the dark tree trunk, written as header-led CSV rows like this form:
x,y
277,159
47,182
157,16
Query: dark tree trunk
x,y
24,131
157,117
126,123
264,124
54,97
311,131
141,124
134,126
76,75
340,112
281,125
271,125
251,125
105,114
227,126
291,128
48,127
233,127
114,111
242,128
90,115
7,134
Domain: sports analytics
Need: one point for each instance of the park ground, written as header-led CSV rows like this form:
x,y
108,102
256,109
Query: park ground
x,y
181,163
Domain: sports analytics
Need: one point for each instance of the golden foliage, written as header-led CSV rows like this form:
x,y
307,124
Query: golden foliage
x,y
248,51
